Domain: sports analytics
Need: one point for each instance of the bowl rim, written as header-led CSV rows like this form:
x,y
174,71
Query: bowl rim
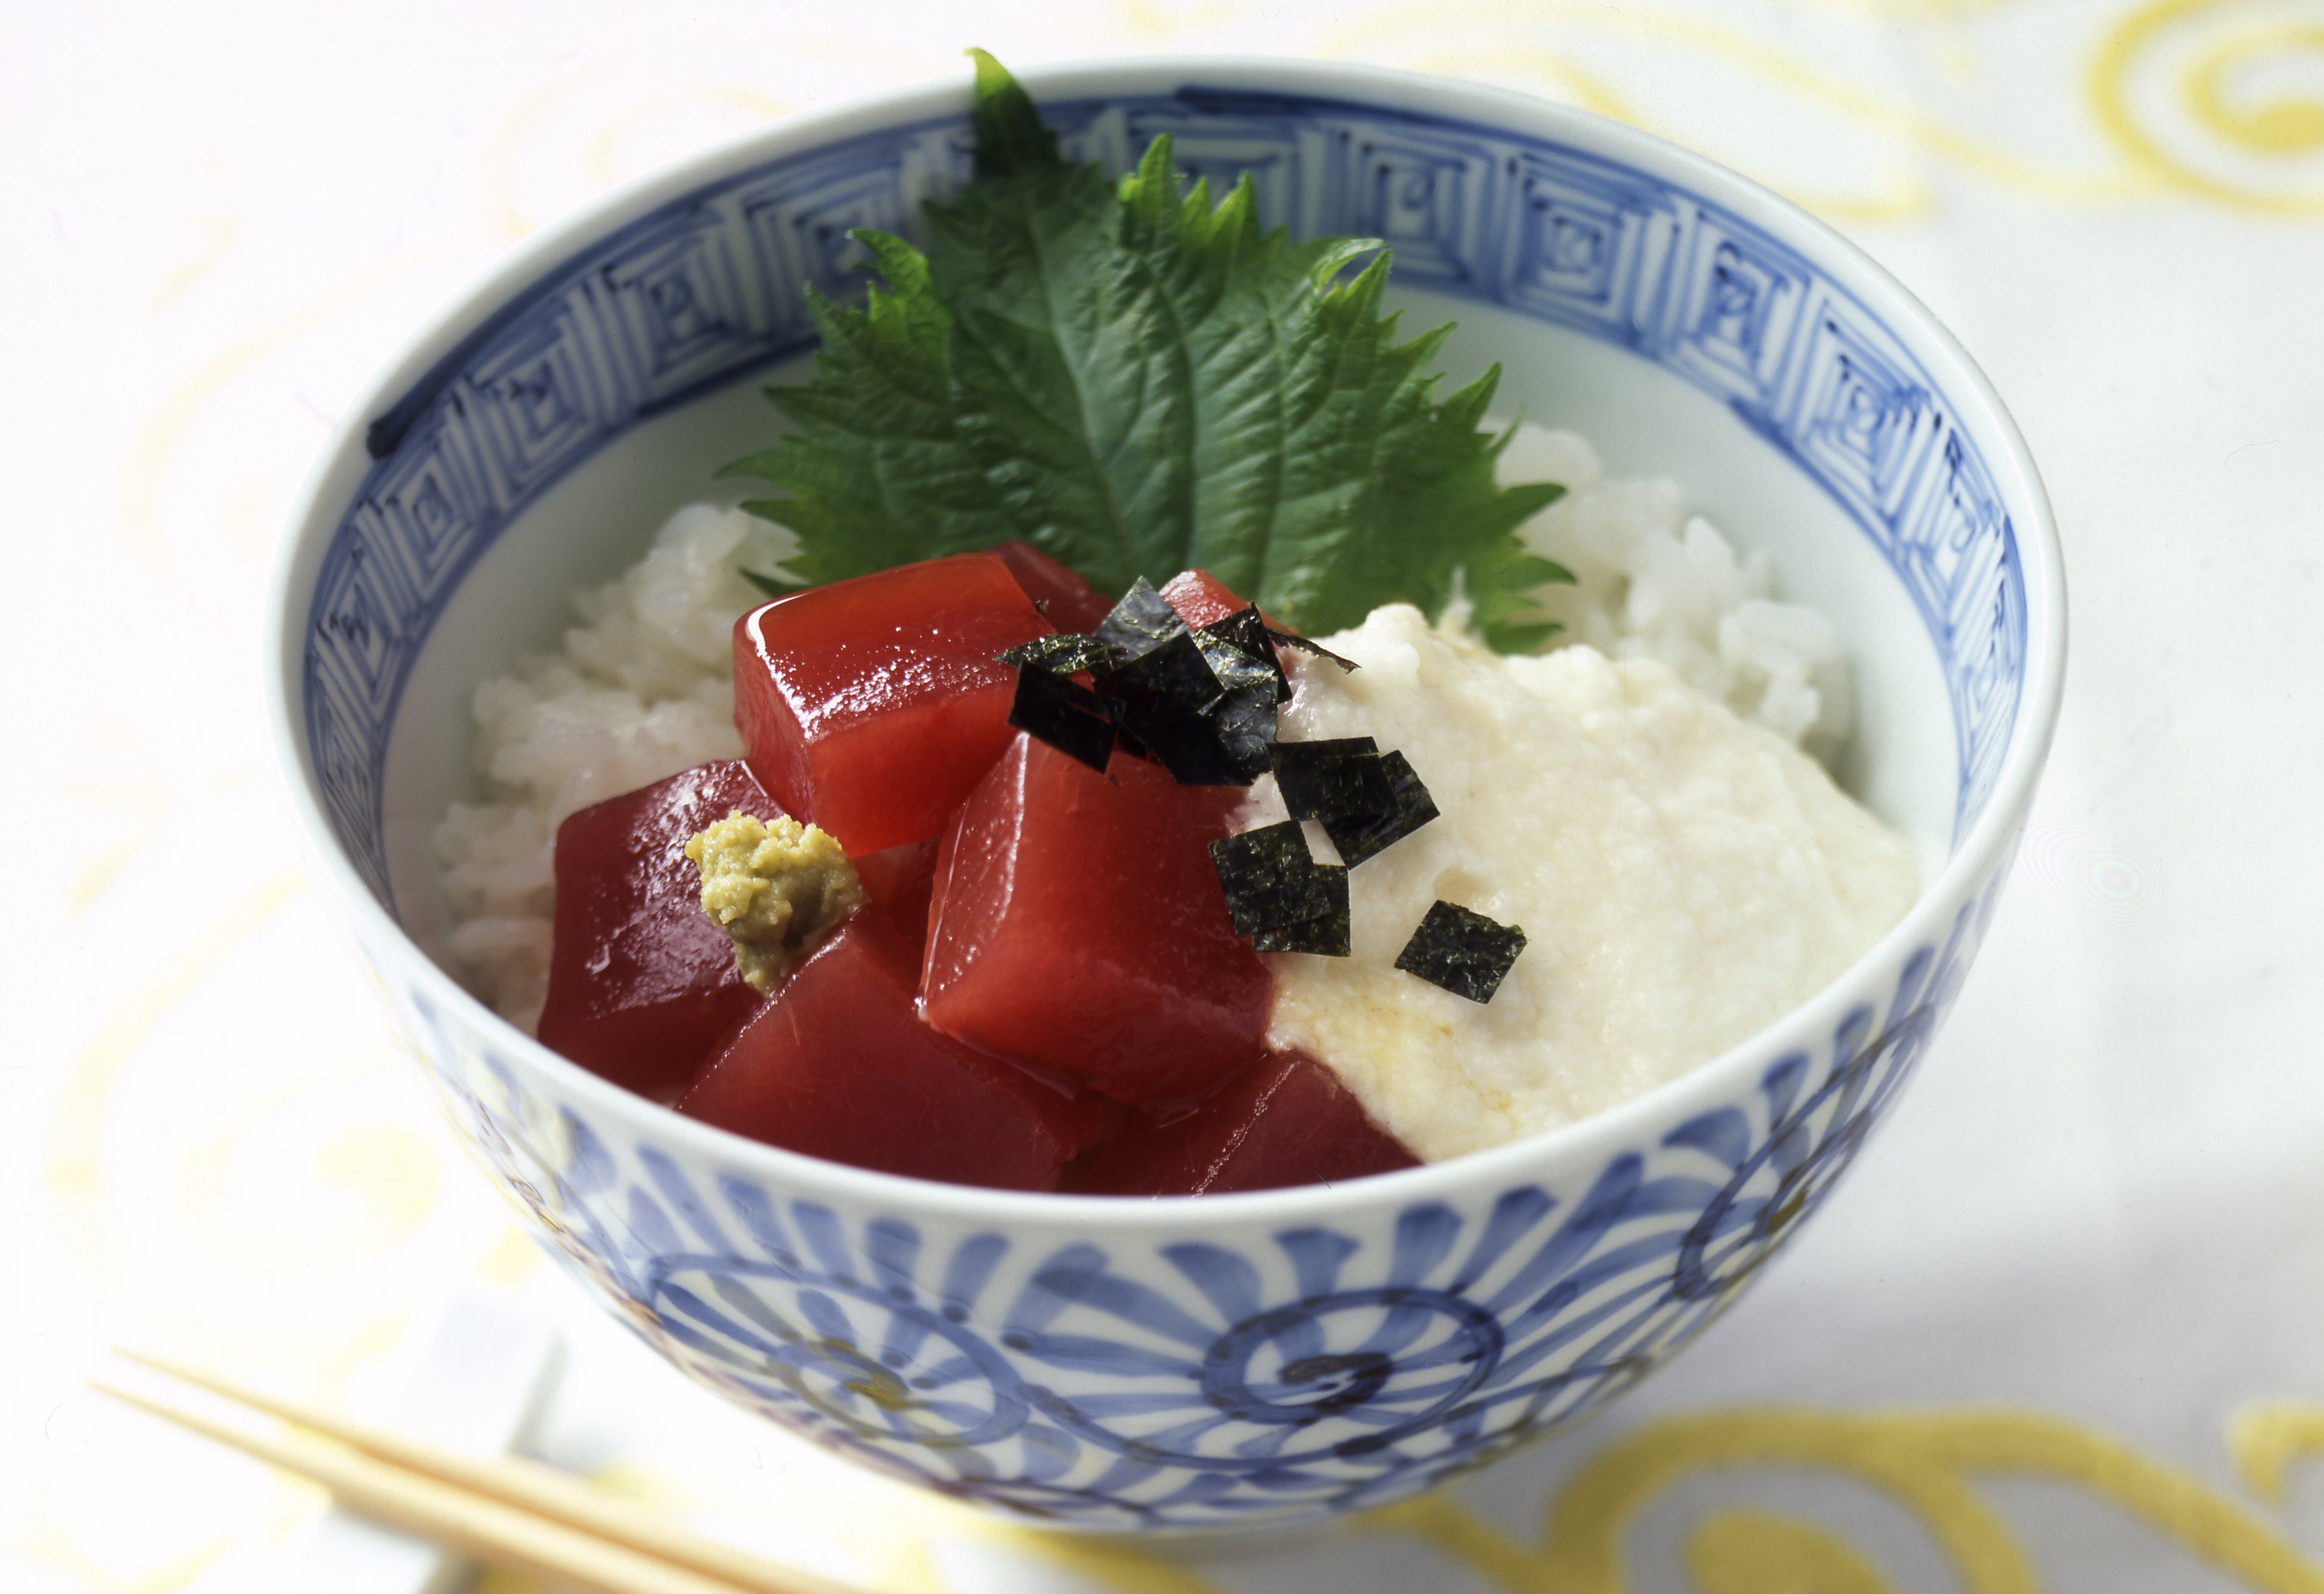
x,y
320,505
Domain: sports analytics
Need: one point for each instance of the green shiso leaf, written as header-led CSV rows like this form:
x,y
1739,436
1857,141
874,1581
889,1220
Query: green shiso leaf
x,y
1138,381
774,586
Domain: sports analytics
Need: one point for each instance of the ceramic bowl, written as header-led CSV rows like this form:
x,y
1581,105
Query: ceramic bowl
x,y
1219,1362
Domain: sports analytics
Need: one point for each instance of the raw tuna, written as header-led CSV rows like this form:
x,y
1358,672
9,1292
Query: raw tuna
x,y
641,983
1073,604
1201,597
839,1065
899,881
1078,926
1285,1120
872,706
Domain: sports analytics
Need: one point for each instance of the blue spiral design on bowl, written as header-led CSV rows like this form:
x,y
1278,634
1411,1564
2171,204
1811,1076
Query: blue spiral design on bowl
x,y
707,290
1201,1381
1199,1384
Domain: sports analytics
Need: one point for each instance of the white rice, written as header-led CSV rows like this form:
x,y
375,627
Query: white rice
x,y
1655,582
643,687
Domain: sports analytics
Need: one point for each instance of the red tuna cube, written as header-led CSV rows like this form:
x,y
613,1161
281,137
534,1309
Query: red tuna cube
x,y
871,706
1079,927
1285,1120
1201,597
839,1065
899,881
641,984
1073,604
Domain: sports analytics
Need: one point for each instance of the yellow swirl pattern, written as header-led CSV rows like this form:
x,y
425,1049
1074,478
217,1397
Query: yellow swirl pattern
x,y
1540,51
2265,1440
2272,127
1928,1462
1755,1552
1925,1463
2219,101
2214,98
2209,97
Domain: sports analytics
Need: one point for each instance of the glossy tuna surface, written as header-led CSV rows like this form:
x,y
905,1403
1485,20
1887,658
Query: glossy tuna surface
x,y
871,706
1078,926
1247,1360
641,984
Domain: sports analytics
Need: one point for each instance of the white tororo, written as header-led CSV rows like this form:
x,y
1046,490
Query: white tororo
x,y
1682,876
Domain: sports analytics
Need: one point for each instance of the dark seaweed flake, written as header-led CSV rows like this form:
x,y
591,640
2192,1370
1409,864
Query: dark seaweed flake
x,y
1462,951
1264,872
1167,698
1140,622
1202,706
1340,775
1247,633
1293,639
1065,653
1361,835
1067,715
1279,896
1244,725
1242,715
1329,934
1366,800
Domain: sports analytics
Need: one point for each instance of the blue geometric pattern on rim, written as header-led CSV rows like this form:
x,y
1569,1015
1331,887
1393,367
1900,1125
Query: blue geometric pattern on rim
x,y
1202,1385
704,291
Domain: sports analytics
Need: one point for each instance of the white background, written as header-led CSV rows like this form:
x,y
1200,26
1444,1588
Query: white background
x,y
2102,1202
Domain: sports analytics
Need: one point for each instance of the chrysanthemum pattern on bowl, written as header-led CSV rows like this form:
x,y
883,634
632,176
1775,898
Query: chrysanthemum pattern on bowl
x,y
706,290
1211,1378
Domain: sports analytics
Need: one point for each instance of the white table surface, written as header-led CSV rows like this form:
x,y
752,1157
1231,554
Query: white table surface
x,y
2069,1313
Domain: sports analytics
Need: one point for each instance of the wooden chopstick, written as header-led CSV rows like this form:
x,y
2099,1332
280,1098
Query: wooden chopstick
x,y
514,1513
527,1485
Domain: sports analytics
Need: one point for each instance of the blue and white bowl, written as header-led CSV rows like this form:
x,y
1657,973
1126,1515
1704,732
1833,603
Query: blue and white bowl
x,y
1233,1361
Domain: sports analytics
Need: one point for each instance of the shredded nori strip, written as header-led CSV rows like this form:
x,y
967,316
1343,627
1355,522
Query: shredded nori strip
x,y
1168,698
1279,896
1245,631
1243,714
1294,640
1140,622
1366,800
1463,952
1327,935
1269,877
1065,653
1061,712
1359,836
1201,705
1341,775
